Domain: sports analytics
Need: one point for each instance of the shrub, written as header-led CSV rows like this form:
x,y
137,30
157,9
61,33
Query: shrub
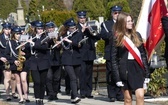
x,y
157,85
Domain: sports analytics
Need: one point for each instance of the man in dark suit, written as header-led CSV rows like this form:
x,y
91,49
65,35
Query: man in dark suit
x,y
114,92
88,53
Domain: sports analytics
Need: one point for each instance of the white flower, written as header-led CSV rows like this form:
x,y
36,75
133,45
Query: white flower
x,y
99,61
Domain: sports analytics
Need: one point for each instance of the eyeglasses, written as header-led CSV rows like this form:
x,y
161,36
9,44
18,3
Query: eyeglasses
x,y
116,13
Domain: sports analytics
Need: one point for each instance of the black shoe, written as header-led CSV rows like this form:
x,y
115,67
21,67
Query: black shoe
x,y
120,99
14,95
8,99
27,100
51,97
21,102
37,102
89,96
112,99
41,102
82,96
76,100
56,98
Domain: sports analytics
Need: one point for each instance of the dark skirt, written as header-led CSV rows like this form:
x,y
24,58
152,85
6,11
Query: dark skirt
x,y
135,76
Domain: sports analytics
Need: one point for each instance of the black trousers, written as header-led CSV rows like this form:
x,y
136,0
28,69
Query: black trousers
x,y
86,75
67,82
39,79
73,72
53,80
112,90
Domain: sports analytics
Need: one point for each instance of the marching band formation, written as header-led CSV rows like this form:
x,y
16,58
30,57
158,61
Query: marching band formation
x,y
44,50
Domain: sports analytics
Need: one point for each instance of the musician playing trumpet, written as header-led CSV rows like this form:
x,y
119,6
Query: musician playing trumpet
x,y
88,53
13,57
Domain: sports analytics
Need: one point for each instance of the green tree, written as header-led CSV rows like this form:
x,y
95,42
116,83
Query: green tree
x,y
94,8
135,10
32,9
57,17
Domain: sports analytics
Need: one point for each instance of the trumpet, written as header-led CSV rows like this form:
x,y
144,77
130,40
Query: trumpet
x,y
93,27
63,39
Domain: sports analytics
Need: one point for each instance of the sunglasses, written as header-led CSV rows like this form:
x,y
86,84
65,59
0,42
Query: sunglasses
x,y
40,28
116,13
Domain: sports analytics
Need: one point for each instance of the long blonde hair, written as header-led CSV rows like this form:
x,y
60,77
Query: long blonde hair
x,y
121,30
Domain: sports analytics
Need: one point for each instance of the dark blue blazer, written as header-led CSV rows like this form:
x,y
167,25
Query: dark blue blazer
x,y
88,49
54,54
2,45
106,37
9,55
39,60
72,55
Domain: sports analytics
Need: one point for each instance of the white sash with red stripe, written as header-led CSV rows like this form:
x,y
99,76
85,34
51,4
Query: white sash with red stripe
x,y
133,50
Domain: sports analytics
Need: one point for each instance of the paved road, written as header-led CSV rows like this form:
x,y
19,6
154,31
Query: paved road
x,y
100,98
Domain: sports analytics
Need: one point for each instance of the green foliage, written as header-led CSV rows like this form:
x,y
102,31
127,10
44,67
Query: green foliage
x,y
32,9
100,46
9,6
157,84
136,4
35,7
51,4
57,16
94,8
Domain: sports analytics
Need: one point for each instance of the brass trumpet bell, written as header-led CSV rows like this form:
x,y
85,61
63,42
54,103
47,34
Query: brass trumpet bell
x,y
93,27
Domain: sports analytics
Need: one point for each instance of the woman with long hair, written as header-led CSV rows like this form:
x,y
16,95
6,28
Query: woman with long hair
x,y
9,78
129,59
13,55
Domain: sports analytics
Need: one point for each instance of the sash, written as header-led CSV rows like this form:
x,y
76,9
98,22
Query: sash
x,y
130,48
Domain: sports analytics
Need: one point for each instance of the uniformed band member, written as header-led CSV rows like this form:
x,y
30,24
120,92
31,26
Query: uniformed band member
x,y
9,79
71,58
54,73
113,91
13,56
39,62
88,54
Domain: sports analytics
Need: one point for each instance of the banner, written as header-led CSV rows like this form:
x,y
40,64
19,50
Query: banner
x,y
149,23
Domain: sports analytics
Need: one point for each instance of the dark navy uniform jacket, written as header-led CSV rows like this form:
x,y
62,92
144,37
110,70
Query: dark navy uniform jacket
x,y
54,54
3,43
39,59
106,37
71,54
11,57
88,49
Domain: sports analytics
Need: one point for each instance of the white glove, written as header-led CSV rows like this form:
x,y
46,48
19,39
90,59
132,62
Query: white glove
x,y
147,80
119,84
145,86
